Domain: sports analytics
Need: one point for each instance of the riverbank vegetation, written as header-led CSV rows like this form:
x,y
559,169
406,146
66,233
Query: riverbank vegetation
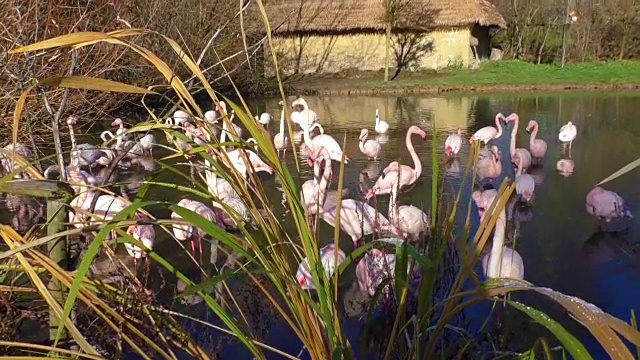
x,y
506,75
411,315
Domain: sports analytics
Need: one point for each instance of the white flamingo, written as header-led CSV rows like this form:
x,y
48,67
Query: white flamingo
x,y
313,191
453,143
121,131
502,262
298,136
281,140
330,256
305,117
190,232
264,119
408,218
567,134
381,125
89,155
489,133
326,141
369,147
146,234
394,172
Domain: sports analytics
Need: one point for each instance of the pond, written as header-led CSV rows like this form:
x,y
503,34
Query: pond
x,y
560,243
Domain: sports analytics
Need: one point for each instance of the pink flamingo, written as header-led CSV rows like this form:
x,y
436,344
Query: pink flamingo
x,y
483,200
190,232
606,205
374,268
453,143
525,184
537,147
394,172
408,218
146,234
369,147
489,133
518,155
489,165
314,191
330,256
324,140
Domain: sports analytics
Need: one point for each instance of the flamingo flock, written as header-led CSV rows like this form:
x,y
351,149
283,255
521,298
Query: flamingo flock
x,y
359,218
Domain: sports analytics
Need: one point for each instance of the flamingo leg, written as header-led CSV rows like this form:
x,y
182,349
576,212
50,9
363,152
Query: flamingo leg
x,y
193,247
200,247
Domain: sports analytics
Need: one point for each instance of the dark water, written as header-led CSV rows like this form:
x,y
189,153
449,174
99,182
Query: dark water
x,y
561,245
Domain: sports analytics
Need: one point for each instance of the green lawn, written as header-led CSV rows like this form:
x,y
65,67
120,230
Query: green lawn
x,y
491,75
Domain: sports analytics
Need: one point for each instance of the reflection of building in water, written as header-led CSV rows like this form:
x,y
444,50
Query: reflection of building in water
x,y
355,113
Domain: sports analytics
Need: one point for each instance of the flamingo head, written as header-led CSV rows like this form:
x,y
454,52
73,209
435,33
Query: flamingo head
x,y
415,129
117,122
459,132
448,150
500,117
72,120
512,117
302,281
532,124
363,134
569,123
371,193
259,165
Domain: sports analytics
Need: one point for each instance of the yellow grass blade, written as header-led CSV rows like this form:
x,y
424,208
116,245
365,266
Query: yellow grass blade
x,y
14,344
625,169
11,238
89,83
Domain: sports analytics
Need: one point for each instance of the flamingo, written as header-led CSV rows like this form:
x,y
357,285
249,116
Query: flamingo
x,y
264,119
89,155
489,165
298,136
326,141
121,131
395,172
537,147
190,232
281,140
369,147
408,218
525,184
518,155
606,205
223,110
489,133
567,134
146,234
314,191
375,267
305,117
180,117
502,262
483,200
453,143
381,125
148,142
330,256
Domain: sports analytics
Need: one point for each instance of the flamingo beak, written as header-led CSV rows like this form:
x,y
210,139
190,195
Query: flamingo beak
x,y
369,194
346,159
302,281
310,161
263,166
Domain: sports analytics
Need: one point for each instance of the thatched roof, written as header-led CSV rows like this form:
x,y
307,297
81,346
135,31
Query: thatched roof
x,y
335,16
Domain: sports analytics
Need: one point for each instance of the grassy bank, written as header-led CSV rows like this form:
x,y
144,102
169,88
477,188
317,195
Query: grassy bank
x,y
491,76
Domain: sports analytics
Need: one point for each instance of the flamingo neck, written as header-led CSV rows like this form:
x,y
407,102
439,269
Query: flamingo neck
x,y
416,160
519,170
326,177
377,118
211,178
74,156
282,123
534,134
497,247
498,126
514,133
306,137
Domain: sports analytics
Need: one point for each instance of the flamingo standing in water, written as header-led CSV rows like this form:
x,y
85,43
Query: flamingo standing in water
x,y
190,232
281,140
326,141
489,164
489,133
330,256
409,219
502,261
453,143
606,205
264,119
525,184
304,117
567,134
519,156
298,136
381,125
369,147
375,267
314,191
89,155
146,234
394,172
537,147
